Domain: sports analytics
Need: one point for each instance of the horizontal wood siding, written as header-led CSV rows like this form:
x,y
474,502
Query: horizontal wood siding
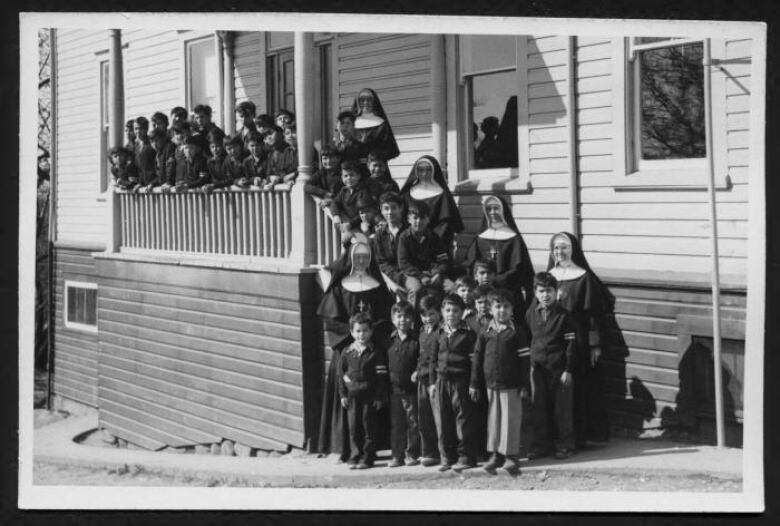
x,y
196,355
249,67
75,351
656,230
644,362
397,67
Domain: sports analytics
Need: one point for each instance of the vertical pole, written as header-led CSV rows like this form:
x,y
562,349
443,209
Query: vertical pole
x,y
116,117
301,205
228,83
572,111
439,100
716,338
220,59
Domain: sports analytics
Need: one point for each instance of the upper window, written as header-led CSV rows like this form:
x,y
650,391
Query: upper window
x,y
667,100
202,75
81,305
104,161
488,69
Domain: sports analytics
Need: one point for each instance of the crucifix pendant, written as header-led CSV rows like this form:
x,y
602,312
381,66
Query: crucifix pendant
x,y
361,306
493,252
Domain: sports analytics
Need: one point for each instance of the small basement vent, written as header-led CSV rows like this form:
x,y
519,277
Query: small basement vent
x,y
81,306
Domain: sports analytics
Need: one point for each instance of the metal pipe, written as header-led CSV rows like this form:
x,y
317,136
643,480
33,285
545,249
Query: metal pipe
x,y
716,334
572,110
52,216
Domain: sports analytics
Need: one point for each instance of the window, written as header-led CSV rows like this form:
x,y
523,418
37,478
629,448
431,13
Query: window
x,y
81,306
104,161
202,74
667,103
280,71
489,76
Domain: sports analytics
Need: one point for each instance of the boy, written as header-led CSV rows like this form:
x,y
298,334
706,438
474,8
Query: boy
x,y
264,123
427,406
345,142
385,243
325,183
275,146
552,355
450,373
178,115
465,287
233,167
191,170
380,180
422,257
287,166
344,205
481,315
245,114
143,152
201,120
122,168
500,366
362,389
367,212
216,163
254,166
164,160
160,120
485,272
284,118
130,135
402,354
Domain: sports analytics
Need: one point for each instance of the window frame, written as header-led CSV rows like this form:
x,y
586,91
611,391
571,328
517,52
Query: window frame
x,y
104,172
510,179
74,325
188,38
628,172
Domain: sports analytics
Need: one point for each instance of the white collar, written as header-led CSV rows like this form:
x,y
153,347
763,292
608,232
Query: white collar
x,y
359,282
368,121
498,234
567,273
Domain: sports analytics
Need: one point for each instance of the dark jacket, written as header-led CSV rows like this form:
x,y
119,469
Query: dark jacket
x,y
366,372
324,183
427,358
125,175
552,340
216,166
385,250
233,169
344,205
501,359
254,167
402,359
145,163
452,355
420,252
165,164
193,173
379,185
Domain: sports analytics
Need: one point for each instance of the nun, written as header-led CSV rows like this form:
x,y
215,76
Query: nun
x,y
372,129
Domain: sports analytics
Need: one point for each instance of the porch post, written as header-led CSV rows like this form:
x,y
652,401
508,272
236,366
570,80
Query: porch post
x,y
302,209
228,83
116,119
439,100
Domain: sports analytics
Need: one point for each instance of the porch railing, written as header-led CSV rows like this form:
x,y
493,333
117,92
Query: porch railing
x,y
328,235
240,222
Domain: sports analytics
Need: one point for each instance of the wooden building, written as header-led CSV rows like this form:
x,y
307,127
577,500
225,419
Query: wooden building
x,y
189,319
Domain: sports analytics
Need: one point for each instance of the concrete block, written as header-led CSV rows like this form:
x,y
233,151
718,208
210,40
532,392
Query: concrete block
x,y
243,451
201,449
215,449
227,448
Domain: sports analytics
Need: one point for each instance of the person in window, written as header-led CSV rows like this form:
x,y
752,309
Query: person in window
x,y
426,183
372,128
583,294
356,285
500,241
506,138
487,154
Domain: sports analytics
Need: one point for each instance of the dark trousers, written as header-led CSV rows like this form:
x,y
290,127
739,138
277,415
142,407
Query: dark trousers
x,y
456,434
428,421
361,416
404,432
552,410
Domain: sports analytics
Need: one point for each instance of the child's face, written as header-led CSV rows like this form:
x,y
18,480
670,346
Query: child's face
x,y
158,124
327,162
481,303
484,276
272,138
451,314
291,137
561,250
283,120
117,158
417,222
129,133
233,149
254,148
545,295
350,178
367,215
158,144
176,118
361,332
216,149
465,293
179,138
201,119
190,150
346,127
391,212
402,321
501,311
139,131
430,317
244,118
377,168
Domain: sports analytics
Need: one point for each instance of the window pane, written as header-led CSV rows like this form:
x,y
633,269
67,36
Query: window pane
x,y
650,40
71,316
494,109
280,39
104,92
204,75
289,85
672,103
487,52
90,307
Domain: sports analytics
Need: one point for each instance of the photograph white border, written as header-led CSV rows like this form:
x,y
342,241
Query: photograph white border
x,y
750,499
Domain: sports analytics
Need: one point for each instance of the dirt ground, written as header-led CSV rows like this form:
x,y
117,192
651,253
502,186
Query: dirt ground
x,y
55,474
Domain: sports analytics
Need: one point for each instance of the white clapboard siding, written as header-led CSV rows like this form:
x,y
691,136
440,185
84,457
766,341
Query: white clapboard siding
x,y
77,125
397,67
249,67
153,66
